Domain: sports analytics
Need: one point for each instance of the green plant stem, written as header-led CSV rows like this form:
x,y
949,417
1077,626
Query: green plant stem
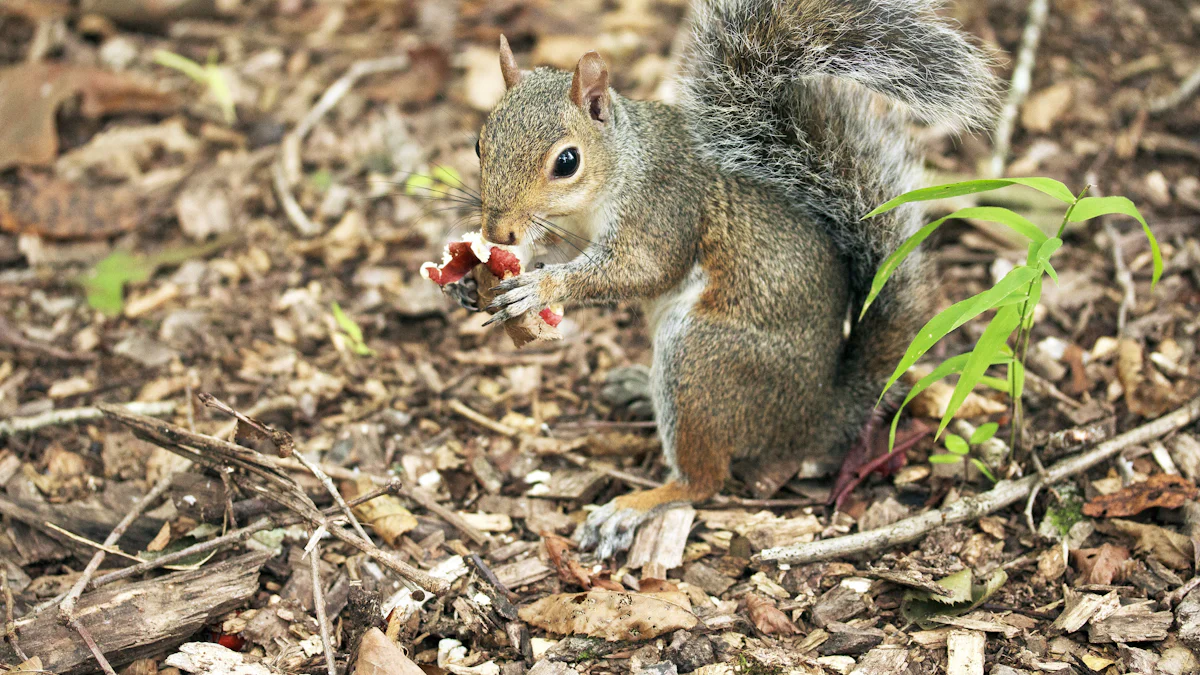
x,y
1021,350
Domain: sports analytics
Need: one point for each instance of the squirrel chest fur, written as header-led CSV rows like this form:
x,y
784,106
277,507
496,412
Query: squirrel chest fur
x,y
736,219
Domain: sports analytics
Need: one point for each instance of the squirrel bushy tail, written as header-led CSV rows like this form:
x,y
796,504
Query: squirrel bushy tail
x,y
774,92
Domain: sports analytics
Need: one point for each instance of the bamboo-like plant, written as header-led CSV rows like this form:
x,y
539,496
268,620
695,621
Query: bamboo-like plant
x,y
1013,297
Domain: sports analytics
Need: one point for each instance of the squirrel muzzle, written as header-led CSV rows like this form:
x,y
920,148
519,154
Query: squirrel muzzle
x,y
505,229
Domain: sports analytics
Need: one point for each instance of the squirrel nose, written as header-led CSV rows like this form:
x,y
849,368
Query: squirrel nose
x,y
500,231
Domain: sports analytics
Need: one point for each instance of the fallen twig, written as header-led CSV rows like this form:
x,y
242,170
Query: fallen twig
x,y
66,610
481,419
1189,86
9,630
1003,494
20,425
271,484
314,562
1019,88
284,442
288,161
427,502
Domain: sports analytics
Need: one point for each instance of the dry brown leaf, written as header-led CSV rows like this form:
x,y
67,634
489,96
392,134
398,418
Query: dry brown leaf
x,y
1162,490
31,93
1170,548
611,615
385,514
56,209
160,540
1147,392
377,655
932,402
652,585
569,569
1102,565
767,617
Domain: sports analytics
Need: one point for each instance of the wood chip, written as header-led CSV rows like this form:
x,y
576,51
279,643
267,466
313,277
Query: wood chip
x,y
965,652
523,572
659,544
143,618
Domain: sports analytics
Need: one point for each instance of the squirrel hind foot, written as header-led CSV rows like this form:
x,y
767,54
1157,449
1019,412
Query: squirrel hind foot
x,y
610,529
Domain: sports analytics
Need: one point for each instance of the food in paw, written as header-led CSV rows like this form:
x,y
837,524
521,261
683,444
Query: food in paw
x,y
490,264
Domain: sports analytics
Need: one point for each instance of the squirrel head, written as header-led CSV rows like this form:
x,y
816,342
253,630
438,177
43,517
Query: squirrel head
x,y
545,149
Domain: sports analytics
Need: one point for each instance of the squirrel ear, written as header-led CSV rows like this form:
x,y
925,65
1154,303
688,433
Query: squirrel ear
x,y
589,87
508,65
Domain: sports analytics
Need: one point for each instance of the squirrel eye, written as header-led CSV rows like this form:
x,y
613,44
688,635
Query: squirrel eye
x,y
567,163
477,148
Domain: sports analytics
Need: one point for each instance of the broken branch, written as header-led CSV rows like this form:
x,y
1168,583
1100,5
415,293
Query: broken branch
x,y
970,508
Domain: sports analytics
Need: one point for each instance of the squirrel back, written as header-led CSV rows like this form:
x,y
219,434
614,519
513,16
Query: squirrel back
x,y
777,91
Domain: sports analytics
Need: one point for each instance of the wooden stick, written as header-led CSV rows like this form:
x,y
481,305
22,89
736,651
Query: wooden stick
x,y
1019,88
480,419
20,425
289,156
314,562
970,508
9,631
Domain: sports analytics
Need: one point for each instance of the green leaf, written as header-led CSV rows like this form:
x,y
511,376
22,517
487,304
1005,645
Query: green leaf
x,y
994,336
988,213
984,432
1045,185
956,315
1091,207
924,608
352,331
1052,272
182,64
983,469
944,369
105,284
1046,250
998,214
956,444
945,459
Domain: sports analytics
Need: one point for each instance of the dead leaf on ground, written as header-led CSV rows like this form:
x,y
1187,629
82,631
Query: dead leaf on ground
x,y
377,655
1170,548
1102,565
611,615
1147,392
422,82
31,93
385,513
56,209
932,402
767,617
1163,490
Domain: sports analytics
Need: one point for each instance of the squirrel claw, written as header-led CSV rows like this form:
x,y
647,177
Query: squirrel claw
x,y
610,529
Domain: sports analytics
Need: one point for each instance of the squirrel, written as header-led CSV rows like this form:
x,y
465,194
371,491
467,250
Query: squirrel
x,y
736,216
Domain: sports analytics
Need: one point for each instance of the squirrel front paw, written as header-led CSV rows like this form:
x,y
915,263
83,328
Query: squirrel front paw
x,y
520,294
610,528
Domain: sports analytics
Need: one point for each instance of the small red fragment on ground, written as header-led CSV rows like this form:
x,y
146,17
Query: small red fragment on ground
x,y
235,642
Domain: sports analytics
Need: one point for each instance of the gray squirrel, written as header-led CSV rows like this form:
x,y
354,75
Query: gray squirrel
x,y
736,218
